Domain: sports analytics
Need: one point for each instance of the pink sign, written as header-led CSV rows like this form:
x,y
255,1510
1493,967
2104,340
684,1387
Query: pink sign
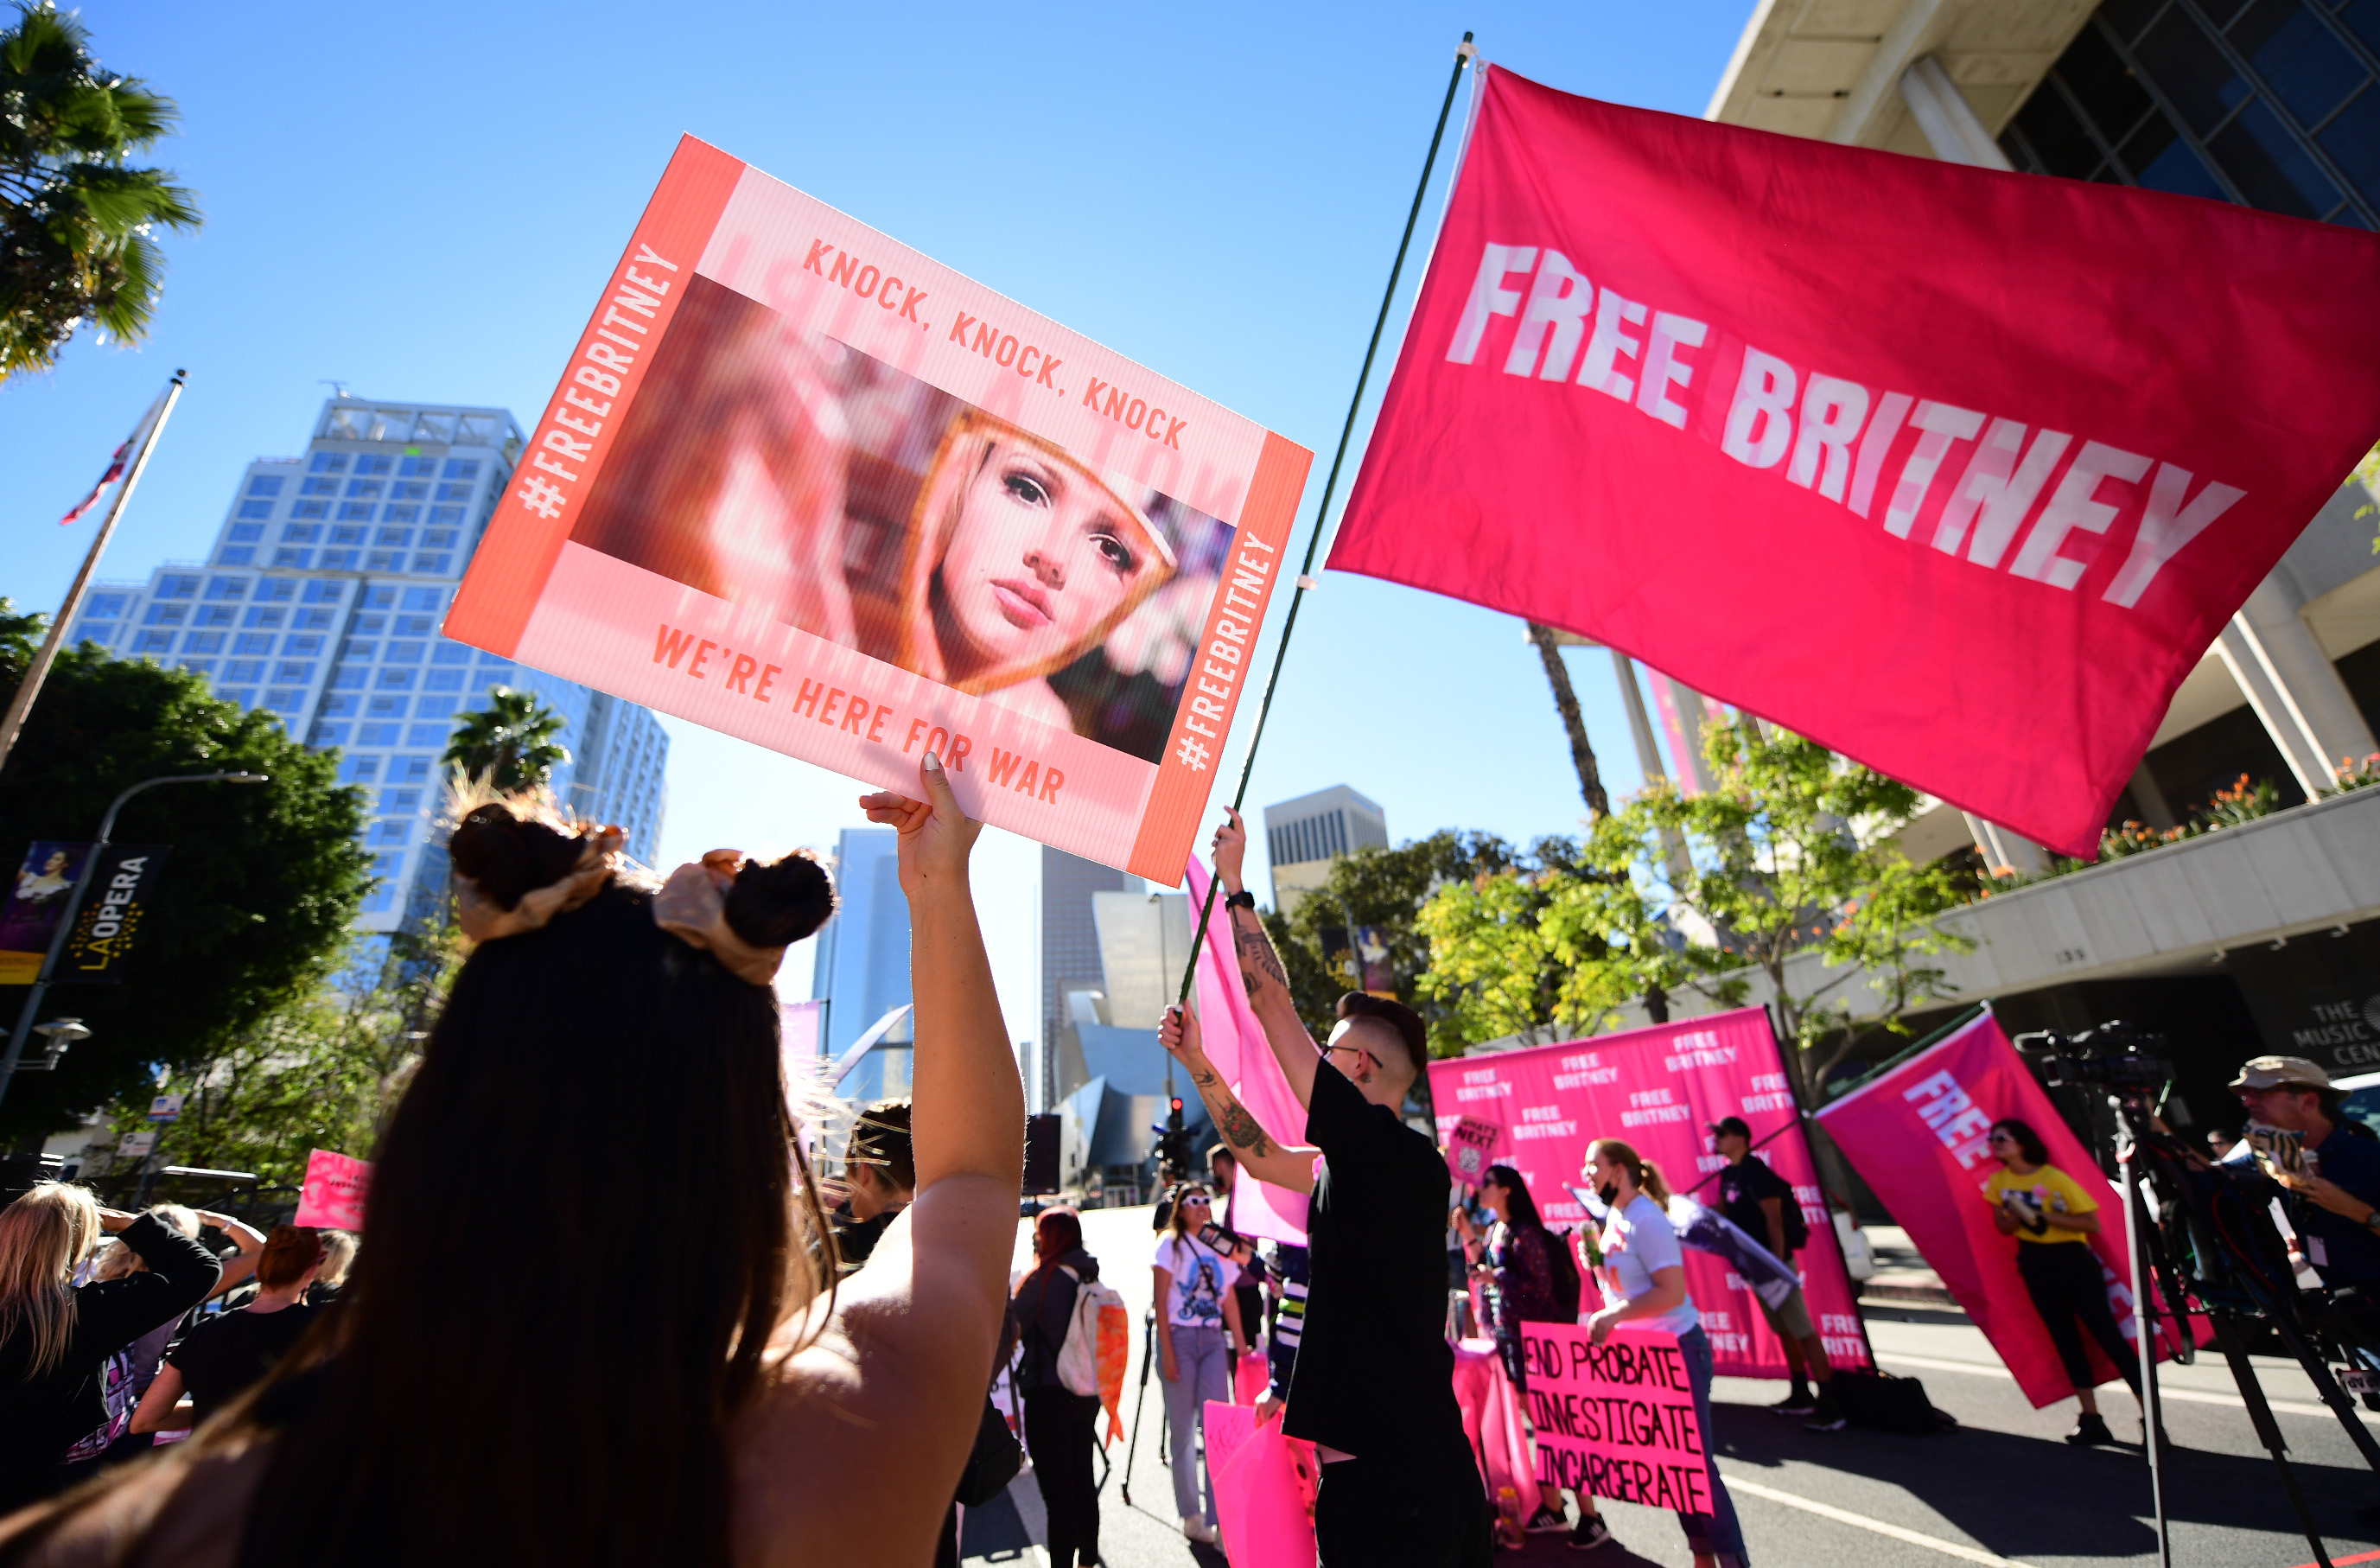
x,y
333,1197
1917,1134
1617,1419
1667,383
1235,1043
1659,1089
1467,1143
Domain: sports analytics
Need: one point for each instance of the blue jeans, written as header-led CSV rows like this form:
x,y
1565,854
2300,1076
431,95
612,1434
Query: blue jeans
x,y
1204,1361
1716,1532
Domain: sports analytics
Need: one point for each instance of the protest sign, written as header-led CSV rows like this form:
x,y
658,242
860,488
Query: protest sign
x,y
1670,384
809,487
1467,1143
1920,1132
1659,1089
1236,1045
121,886
37,901
1616,1419
333,1197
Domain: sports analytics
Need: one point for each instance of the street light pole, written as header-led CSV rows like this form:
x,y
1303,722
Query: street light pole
x,y
25,1014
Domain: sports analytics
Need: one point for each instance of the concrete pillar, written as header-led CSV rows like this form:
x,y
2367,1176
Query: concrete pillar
x,y
1640,723
2004,849
1948,121
2309,712
1684,715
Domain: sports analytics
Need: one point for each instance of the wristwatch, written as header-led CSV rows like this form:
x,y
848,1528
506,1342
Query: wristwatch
x,y
2371,1220
1242,899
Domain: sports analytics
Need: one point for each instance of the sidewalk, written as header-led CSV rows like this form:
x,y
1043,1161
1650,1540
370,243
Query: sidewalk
x,y
1901,1274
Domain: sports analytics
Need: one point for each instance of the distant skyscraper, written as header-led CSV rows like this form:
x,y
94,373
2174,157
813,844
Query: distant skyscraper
x,y
863,961
1303,836
321,602
1070,956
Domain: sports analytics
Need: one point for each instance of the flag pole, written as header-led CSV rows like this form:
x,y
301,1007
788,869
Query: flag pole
x,y
1463,55
38,671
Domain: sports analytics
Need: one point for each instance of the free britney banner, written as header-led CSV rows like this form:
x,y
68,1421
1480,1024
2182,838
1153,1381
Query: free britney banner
x,y
1954,470
806,486
1659,1089
1917,1134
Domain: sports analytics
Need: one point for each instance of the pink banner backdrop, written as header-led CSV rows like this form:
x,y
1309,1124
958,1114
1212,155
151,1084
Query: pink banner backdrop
x,y
1667,383
1917,1136
333,1197
1235,1043
1659,1089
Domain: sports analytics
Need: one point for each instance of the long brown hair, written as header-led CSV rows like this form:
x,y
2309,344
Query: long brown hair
x,y
614,1093
1648,1174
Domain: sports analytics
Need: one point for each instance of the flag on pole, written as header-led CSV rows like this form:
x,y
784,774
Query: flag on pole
x,y
1954,470
115,465
1236,1044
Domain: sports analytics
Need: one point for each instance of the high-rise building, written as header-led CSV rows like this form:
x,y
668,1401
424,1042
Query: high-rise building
x,y
1303,836
320,601
1070,963
863,962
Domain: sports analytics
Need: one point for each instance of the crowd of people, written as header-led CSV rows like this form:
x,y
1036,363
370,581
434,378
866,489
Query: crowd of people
x,y
724,1358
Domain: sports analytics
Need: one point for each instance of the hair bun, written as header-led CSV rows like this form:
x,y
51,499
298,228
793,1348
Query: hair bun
x,y
509,851
778,903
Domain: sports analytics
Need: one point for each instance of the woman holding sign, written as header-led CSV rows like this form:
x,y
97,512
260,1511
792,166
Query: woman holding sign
x,y
1643,1280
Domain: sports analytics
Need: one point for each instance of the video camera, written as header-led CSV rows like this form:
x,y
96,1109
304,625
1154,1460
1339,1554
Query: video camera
x,y
2115,1058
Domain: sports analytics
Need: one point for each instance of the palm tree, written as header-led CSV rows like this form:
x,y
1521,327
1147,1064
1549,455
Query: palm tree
x,y
1581,755
509,743
75,222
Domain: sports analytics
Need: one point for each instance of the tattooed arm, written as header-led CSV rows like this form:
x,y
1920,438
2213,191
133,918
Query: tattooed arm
x,y
1261,971
1259,1153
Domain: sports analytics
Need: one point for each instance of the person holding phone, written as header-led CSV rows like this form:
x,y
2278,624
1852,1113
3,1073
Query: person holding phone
x,y
1198,1337
2053,1218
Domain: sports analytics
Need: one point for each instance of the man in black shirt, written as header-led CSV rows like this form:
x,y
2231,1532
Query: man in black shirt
x,y
1373,1387
1762,1204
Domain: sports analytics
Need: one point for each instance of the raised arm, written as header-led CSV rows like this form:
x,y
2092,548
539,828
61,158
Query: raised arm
x,y
1260,968
1260,1155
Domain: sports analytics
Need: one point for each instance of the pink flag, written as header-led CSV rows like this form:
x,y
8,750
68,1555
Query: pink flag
x,y
333,1197
115,472
1954,470
1235,1043
1918,1135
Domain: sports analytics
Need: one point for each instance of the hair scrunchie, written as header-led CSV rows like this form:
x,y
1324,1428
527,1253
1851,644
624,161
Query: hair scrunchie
x,y
692,907
483,919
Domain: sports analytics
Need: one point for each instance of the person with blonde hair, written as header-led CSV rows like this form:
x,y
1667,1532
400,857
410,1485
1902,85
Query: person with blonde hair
x,y
56,1341
1644,1281
682,1380
338,1257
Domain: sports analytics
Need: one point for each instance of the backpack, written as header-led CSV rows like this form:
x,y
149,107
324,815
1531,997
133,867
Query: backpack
x,y
1079,1359
1797,1224
1567,1283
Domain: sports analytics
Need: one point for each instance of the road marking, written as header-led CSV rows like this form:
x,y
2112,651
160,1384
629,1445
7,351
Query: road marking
x,y
1845,1516
2178,1396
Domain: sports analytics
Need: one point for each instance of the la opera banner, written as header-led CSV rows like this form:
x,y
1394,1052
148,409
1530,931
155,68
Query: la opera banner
x,y
1659,1089
803,485
1954,470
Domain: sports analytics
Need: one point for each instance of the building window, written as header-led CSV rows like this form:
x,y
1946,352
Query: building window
x,y
198,667
265,484
386,708
256,508
215,615
383,561
328,735
299,673
426,735
416,467
339,705
167,614
102,632
286,699
270,620
245,695
399,536
431,563
358,769
455,491
409,770
435,706
438,680
226,587
391,830
400,513
328,463
364,489
253,643
311,509
318,487
244,670
313,620
203,643
338,560
236,555
350,677
352,649
301,533
319,592
366,463
376,735
381,899
246,533
285,556
408,491
281,590
462,467
380,599
450,654
355,512
109,606
396,680
2272,105
347,534
439,538
295,646
152,642
395,801
178,585
445,514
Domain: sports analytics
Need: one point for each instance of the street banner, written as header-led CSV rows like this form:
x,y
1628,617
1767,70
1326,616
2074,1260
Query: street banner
x,y
333,1197
37,901
1659,1089
122,885
1616,1419
1236,1044
1918,1135
1954,470
810,488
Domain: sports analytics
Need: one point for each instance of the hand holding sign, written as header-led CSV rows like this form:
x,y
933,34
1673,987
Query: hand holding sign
x,y
1616,1418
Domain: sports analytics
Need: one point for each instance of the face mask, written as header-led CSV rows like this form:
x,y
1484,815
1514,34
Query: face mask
x,y
1610,1193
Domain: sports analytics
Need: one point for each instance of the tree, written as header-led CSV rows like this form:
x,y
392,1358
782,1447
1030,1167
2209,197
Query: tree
x,y
510,742
1581,755
76,222
251,910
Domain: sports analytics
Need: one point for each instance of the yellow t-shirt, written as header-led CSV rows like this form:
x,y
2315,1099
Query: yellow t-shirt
x,y
2050,1189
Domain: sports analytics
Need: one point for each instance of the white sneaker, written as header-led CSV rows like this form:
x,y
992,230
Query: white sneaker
x,y
1198,1529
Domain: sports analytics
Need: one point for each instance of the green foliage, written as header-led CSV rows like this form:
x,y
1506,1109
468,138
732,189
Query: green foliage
x,y
251,910
76,222
324,1071
510,742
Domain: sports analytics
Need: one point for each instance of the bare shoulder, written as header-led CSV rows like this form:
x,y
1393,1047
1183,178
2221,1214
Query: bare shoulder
x,y
173,1512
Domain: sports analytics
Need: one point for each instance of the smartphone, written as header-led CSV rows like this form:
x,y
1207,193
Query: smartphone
x,y
1214,1235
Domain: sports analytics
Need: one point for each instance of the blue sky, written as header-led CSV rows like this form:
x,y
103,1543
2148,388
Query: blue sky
x,y
423,203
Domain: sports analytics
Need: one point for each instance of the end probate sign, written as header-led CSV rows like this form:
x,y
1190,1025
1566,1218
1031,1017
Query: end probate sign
x,y
1616,1419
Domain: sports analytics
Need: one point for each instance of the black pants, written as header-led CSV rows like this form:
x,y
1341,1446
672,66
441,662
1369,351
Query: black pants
x,y
1060,1433
2064,1280
1409,1511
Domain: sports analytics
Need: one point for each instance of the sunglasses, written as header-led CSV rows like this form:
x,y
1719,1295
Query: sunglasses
x,y
1999,1138
1198,1202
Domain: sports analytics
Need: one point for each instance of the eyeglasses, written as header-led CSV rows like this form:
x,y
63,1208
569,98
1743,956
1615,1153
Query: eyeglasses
x,y
1378,1066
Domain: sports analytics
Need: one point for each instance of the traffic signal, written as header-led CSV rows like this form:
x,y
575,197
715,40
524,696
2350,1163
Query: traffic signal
x,y
1172,1143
